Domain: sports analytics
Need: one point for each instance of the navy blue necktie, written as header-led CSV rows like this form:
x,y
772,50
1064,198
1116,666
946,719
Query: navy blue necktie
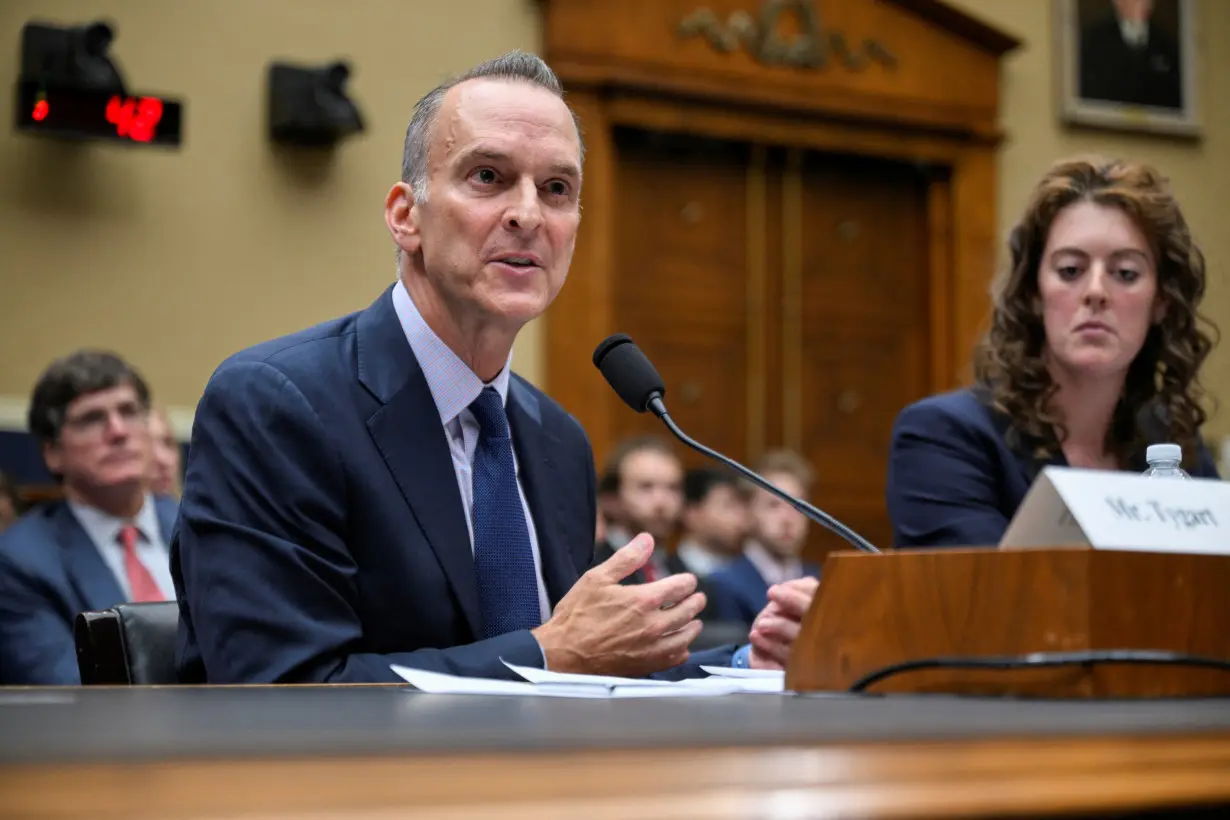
x,y
503,558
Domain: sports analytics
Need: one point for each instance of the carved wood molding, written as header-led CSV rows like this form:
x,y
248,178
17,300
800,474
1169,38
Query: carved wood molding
x,y
813,48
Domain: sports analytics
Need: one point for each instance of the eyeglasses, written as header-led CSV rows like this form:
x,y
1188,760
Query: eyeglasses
x,y
94,422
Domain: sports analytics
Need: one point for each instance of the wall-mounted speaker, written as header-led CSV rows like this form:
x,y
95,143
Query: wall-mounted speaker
x,y
308,106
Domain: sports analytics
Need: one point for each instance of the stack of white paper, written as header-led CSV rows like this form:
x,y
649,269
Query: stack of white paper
x,y
543,683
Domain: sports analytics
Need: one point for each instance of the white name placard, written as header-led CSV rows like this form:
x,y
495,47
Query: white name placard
x,y
1117,510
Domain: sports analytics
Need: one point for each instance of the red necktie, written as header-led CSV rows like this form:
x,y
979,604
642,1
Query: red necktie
x,y
139,580
650,571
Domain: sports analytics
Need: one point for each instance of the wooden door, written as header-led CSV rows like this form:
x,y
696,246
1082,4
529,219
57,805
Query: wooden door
x,y
856,330
783,296
680,290
907,81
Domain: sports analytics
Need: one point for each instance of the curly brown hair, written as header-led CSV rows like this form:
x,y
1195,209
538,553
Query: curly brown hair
x,y
1163,380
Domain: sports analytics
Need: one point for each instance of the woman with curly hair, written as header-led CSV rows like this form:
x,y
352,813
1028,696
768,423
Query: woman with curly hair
x,y
1093,353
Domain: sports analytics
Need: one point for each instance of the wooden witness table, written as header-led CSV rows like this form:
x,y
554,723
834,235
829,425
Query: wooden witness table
x,y
382,752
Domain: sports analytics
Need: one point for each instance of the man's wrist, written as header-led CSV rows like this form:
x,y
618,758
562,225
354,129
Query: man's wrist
x,y
742,659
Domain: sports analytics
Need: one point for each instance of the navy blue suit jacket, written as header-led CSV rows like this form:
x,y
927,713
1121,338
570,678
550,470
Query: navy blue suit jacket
x,y
50,571
322,535
953,478
738,592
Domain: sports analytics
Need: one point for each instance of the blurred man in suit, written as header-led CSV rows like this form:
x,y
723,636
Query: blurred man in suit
x,y
643,485
165,470
106,543
771,556
1125,59
715,521
381,489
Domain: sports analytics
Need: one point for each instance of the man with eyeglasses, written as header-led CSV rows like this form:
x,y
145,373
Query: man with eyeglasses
x,y
106,542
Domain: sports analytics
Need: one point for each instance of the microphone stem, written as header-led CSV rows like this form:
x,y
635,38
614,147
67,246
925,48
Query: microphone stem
x,y
819,516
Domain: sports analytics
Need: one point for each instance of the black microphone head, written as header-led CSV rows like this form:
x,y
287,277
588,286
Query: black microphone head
x,y
628,372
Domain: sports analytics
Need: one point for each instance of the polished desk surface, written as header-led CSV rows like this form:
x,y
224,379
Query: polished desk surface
x,y
300,751
165,722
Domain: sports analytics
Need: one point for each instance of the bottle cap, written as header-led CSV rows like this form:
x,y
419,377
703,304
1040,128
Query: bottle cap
x,y
1163,452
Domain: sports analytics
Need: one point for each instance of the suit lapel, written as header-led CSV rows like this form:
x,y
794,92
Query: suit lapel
x,y
87,572
168,514
539,476
414,445
753,582
410,437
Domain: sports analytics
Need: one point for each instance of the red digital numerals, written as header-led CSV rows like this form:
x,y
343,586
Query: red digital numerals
x,y
134,118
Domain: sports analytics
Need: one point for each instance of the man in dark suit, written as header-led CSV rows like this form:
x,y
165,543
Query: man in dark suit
x,y
1125,59
771,555
106,542
381,489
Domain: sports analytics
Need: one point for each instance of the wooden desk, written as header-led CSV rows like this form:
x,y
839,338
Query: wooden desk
x,y
384,752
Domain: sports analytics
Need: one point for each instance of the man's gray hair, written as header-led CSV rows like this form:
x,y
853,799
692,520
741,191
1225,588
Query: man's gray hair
x,y
517,66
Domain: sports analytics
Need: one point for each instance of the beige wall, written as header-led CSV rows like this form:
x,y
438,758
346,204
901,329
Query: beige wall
x,y
177,259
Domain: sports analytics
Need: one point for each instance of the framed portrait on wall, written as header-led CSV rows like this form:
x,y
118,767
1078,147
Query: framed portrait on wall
x,y
1128,64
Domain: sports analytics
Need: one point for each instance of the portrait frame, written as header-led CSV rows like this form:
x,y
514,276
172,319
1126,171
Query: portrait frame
x,y
1170,67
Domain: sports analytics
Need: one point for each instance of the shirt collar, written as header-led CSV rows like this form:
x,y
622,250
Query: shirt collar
x,y
107,527
617,536
700,559
454,386
772,569
1136,34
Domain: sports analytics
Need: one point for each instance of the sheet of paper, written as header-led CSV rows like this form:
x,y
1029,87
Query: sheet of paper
x,y
438,683
560,687
673,691
731,672
750,681
547,676
745,686
544,683
760,682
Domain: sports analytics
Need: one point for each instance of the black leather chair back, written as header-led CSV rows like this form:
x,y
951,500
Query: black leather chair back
x,y
128,644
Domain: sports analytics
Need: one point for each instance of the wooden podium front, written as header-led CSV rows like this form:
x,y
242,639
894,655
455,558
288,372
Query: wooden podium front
x,y
872,611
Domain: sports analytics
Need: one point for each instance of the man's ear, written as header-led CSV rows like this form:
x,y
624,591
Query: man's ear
x,y
401,217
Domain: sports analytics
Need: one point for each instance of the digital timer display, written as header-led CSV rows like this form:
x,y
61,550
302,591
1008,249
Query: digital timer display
x,y
77,113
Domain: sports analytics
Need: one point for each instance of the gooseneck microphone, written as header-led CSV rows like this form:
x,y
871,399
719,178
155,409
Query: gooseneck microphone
x,y
636,381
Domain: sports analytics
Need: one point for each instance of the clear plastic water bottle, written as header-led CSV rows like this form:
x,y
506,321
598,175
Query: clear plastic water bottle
x,y
1164,461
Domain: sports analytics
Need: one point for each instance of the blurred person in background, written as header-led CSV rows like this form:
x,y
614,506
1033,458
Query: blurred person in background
x,y
165,471
772,553
715,520
106,542
643,487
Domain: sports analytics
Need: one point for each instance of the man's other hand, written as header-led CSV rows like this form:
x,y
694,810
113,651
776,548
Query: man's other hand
x,y
777,626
